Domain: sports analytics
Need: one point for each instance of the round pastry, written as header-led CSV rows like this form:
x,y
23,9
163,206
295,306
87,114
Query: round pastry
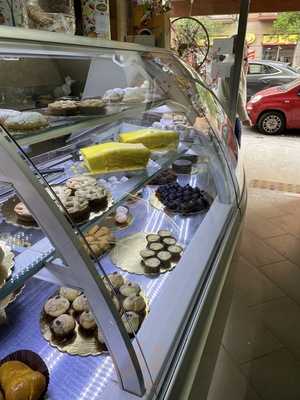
x,y
81,304
76,182
95,195
87,320
77,208
4,114
63,325
116,280
23,213
165,258
131,321
63,107
26,121
182,166
163,233
146,253
169,241
175,252
113,95
134,303
130,288
91,106
152,265
152,238
121,219
156,247
69,293
56,306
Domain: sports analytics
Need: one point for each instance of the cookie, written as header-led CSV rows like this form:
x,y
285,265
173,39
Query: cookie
x,y
56,306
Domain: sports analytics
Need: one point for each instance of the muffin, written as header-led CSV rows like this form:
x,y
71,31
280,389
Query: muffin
x,y
152,238
146,253
56,306
156,247
95,195
69,293
63,326
175,252
164,258
63,107
168,241
163,233
87,321
23,214
134,303
81,304
131,321
91,106
129,289
116,280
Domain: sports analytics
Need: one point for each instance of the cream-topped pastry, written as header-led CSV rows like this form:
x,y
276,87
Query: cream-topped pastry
x,y
4,114
26,121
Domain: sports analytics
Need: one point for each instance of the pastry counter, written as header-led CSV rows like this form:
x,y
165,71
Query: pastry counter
x,y
120,219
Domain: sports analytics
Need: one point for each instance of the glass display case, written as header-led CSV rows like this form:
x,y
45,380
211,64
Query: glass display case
x,y
122,200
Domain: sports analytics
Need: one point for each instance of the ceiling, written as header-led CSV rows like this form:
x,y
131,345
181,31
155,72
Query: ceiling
x,y
181,8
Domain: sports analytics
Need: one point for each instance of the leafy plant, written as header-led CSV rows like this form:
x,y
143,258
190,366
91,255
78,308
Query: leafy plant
x,y
287,23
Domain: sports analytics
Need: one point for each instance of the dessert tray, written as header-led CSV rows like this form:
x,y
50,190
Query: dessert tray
x,y
82,342
126,255
7,264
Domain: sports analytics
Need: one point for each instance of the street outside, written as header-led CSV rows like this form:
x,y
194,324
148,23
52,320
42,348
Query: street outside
x,y
271,158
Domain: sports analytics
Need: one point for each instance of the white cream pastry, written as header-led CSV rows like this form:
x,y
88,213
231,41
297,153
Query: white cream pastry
x,y
4,114
131,321
26,121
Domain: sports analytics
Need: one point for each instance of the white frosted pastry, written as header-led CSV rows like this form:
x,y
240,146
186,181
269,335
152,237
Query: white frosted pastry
x,y
131,321
4,114
113,95
116,280
129,289
134,303
69,293
26,121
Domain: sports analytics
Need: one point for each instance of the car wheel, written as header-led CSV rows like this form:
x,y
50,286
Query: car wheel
x,y
271,123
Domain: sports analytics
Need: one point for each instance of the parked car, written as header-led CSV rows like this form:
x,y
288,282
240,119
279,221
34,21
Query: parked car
x,y
275,109
264,74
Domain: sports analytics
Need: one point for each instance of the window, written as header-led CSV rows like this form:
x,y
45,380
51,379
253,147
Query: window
x,y
256,69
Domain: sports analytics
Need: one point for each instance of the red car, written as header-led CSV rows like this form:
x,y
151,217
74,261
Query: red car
x,y
275,109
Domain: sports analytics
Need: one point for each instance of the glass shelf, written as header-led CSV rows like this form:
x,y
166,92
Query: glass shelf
x,y
27,264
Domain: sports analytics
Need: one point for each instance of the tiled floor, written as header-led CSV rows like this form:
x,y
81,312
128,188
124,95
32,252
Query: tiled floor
x,y
260,354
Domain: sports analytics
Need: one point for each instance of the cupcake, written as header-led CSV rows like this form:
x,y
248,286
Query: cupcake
x,y
163,233
131,321
169,241
81,304
63,326
156,247
175,252
146,253
130,288
87,321
152,238
134,303
152,265
165,258
69,293
56,306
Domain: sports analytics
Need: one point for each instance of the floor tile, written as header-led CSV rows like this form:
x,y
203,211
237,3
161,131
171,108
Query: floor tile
x,y
257,252
282,318
245,336
287,245
287,223
229,381
275,376
286,275
252,287
263,227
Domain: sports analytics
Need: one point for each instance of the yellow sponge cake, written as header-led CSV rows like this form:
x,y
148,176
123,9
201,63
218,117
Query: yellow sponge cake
x,y
114,156
151,138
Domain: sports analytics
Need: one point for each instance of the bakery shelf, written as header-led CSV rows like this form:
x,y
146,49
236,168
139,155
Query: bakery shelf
x,y
76,126
27,263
